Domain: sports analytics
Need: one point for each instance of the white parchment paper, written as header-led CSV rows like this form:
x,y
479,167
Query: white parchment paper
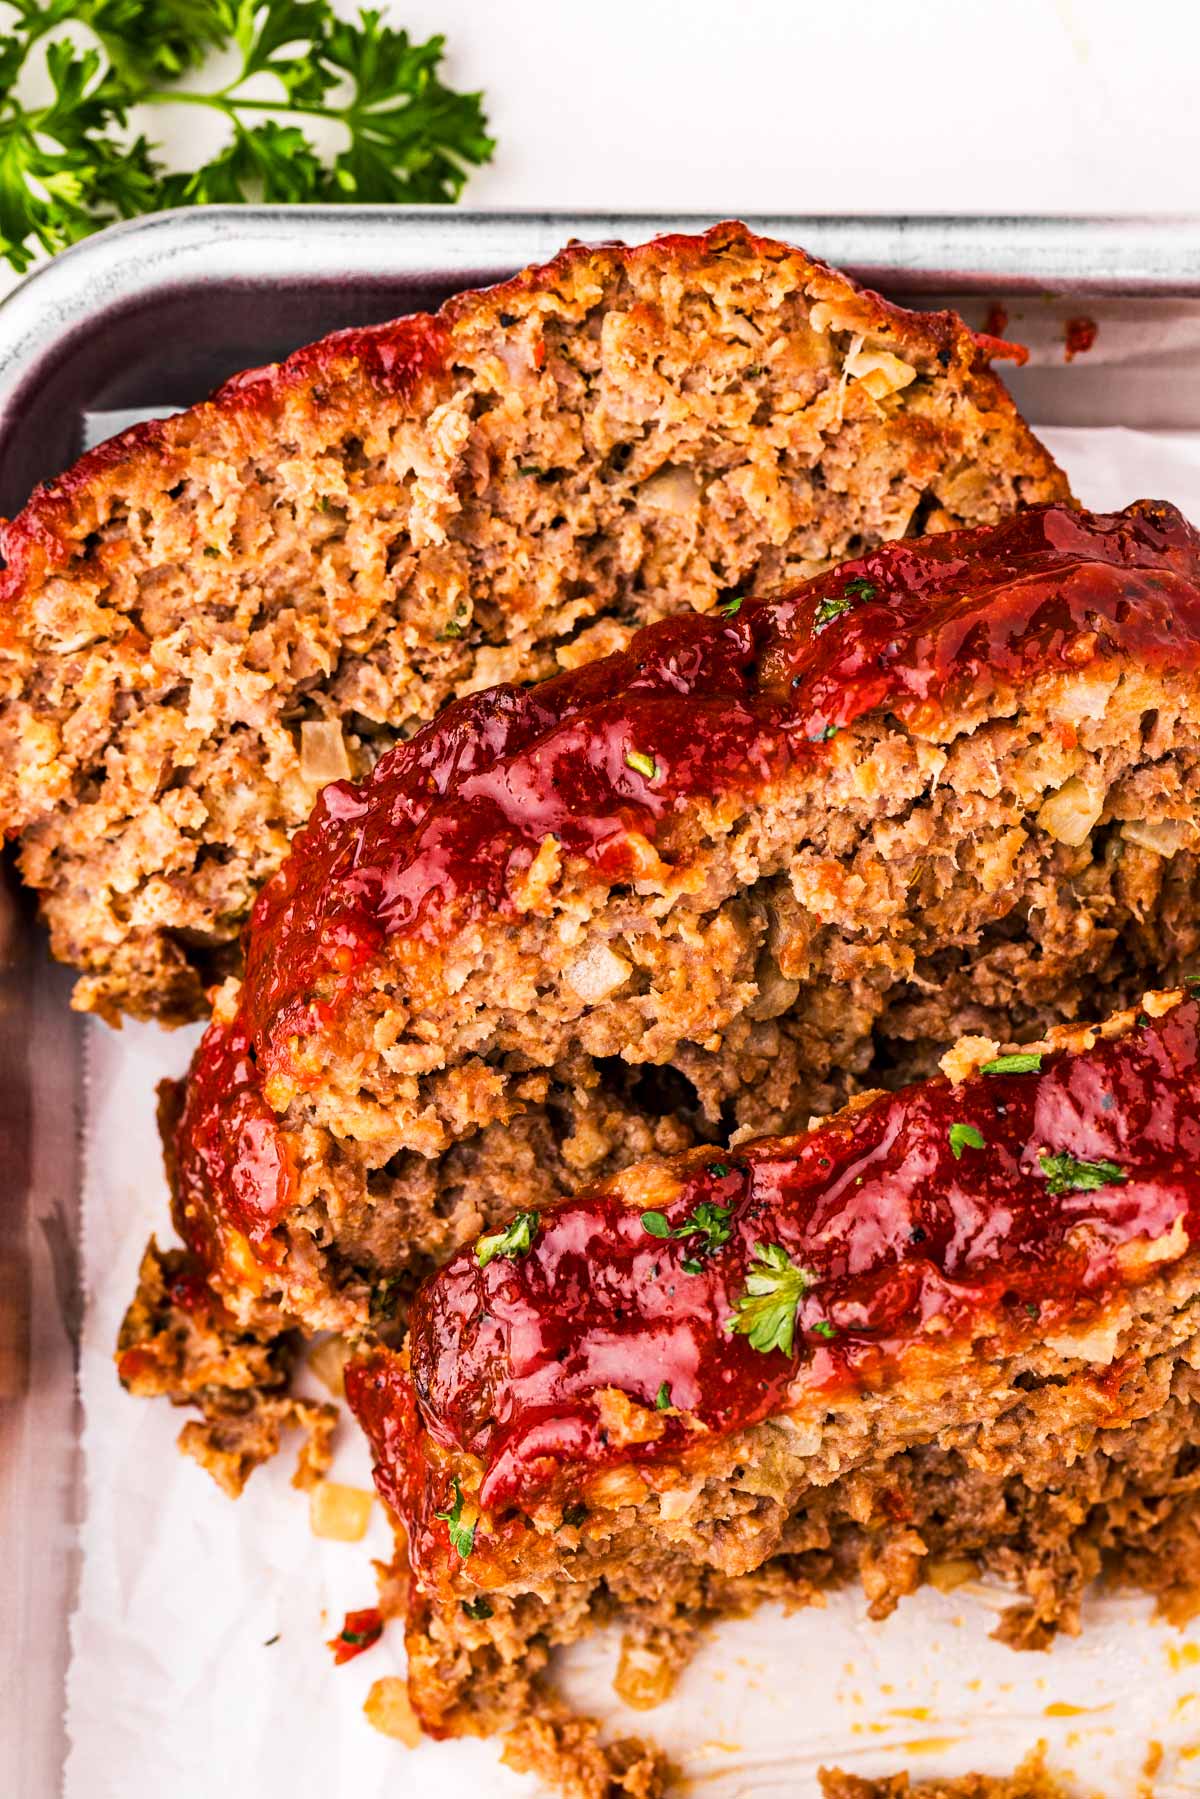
x,y
199,1668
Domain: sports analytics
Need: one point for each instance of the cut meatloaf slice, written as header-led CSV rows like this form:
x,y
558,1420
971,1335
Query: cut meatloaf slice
x,y
950,1329
210,617
699,888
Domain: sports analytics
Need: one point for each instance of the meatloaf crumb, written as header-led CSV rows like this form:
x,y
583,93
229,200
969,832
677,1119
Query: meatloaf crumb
x,y
707,887
178,1341
1032,1780
952,1327
210,617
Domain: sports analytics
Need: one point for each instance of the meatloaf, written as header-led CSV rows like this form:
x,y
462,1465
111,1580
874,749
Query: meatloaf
x,y
699,889
211,616
951,1329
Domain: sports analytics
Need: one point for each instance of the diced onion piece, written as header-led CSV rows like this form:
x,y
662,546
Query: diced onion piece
x,y
389,1711
1165,836
597,973
879,371
946,1572
672,489
1070,814
328,1362
339,1514
323,756
1097,1345
644,1676
614,1487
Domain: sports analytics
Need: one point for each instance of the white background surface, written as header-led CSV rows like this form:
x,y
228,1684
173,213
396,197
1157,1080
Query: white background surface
x,y
826,105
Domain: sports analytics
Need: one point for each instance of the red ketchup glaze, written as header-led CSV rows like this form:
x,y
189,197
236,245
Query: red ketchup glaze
x,y
232,1169
447,822
360,1631
902,1242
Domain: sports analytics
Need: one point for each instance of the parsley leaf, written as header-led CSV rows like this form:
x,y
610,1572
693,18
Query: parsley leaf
x,y
1068,1174
766,1311
477,1608
731,608
1026,1062
662,1399
964,1136
830,609
823,1328
516,1239
462,1536
859,588
708,1220
68,165
641,763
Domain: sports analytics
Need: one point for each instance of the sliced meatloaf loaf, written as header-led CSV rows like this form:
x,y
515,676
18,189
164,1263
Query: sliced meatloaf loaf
x,y
950,1329
208,618
696,889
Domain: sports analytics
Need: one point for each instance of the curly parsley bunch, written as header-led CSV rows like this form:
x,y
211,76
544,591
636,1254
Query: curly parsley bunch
x,y
68,164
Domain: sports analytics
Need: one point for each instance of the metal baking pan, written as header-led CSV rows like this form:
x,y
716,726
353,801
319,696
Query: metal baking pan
x,y
148,317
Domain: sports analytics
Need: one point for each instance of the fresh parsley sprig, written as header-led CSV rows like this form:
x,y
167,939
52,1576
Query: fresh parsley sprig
x,y
69,165
1065,1173
462,1535
516,1239
765,1311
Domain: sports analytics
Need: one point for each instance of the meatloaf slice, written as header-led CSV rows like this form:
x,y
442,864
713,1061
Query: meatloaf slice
x,y
698,889
208,618
950,1329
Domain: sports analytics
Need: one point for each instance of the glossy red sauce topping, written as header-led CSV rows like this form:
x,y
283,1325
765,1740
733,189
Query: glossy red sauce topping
x,y
360,1631
697,706
231,1166
900,1240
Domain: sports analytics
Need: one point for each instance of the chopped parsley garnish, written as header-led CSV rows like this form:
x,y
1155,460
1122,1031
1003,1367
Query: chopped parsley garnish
x,y
964,1136
823,1328
860,588
766,1311
1024,1062
708,1220
690,1265
731,608
662,1398
825,735
718,1170
516,1239
462,1536
1069,1174
830,609
456,628
641,763
477,1608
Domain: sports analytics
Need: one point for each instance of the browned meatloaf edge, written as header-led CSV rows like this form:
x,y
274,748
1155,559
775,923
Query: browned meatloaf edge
x,y
210,616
